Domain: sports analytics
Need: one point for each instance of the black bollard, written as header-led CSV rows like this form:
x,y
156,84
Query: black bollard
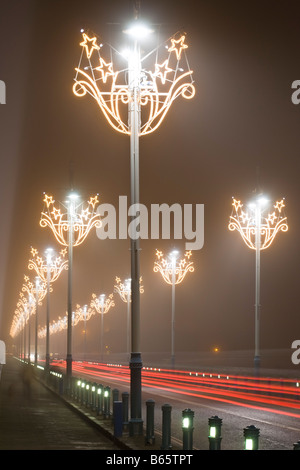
x,y
166,427
125,401
214,435
118,424
150,438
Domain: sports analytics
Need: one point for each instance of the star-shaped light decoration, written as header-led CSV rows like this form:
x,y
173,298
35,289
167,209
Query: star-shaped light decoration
x,y
160,83
178,46
58,219
161,70
246,223
105,69
89,44
171,266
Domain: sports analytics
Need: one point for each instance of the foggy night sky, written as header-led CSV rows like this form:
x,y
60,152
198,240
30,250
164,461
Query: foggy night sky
x,y
245,58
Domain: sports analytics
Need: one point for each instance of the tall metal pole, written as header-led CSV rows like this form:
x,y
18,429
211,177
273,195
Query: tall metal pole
x,y
173,311
257,286
70,313
48,317
85,308
36,320
128,319
135,359
102,309
29,309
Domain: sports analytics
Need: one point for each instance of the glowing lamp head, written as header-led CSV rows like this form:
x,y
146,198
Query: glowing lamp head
x,y
49,254
138,30
259,203
262,201
73,196
174,255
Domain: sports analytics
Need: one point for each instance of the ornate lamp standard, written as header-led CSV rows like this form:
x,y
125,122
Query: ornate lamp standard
x,y
173,272
48,269
70,224
102,305
134,99
258,232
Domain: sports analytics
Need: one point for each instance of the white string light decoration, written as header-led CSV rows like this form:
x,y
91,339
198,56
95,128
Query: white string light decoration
x,y
173,267
103,72
246,223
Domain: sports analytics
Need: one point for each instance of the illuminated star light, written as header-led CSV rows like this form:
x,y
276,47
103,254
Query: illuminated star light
x,y
89,44
178,46
161,70
105,69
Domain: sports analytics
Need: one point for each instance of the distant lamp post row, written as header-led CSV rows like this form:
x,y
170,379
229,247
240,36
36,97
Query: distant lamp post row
x,y
258,228
70,223
173,271
48,269
38,291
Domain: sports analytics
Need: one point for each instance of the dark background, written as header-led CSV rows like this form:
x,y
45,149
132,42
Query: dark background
x,y
245,57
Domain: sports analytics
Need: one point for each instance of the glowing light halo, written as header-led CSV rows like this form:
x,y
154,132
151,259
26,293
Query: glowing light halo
x,y
167,267
117,90
245,223
60,224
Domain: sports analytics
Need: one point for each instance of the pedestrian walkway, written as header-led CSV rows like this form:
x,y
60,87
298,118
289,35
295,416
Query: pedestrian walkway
x,y
34,418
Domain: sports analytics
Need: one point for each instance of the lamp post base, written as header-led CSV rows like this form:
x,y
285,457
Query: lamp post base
x,y
69,361
256,364
136,422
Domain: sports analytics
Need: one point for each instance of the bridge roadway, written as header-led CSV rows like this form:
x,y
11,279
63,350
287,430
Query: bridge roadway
x,y
34,418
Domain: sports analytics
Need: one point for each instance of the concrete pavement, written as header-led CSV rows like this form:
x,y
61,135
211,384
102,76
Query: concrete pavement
x,y
33,418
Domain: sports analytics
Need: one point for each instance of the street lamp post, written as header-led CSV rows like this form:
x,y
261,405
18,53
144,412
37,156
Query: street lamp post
x,y
134,87
258,232
173,272
102,305
37,291
70,224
